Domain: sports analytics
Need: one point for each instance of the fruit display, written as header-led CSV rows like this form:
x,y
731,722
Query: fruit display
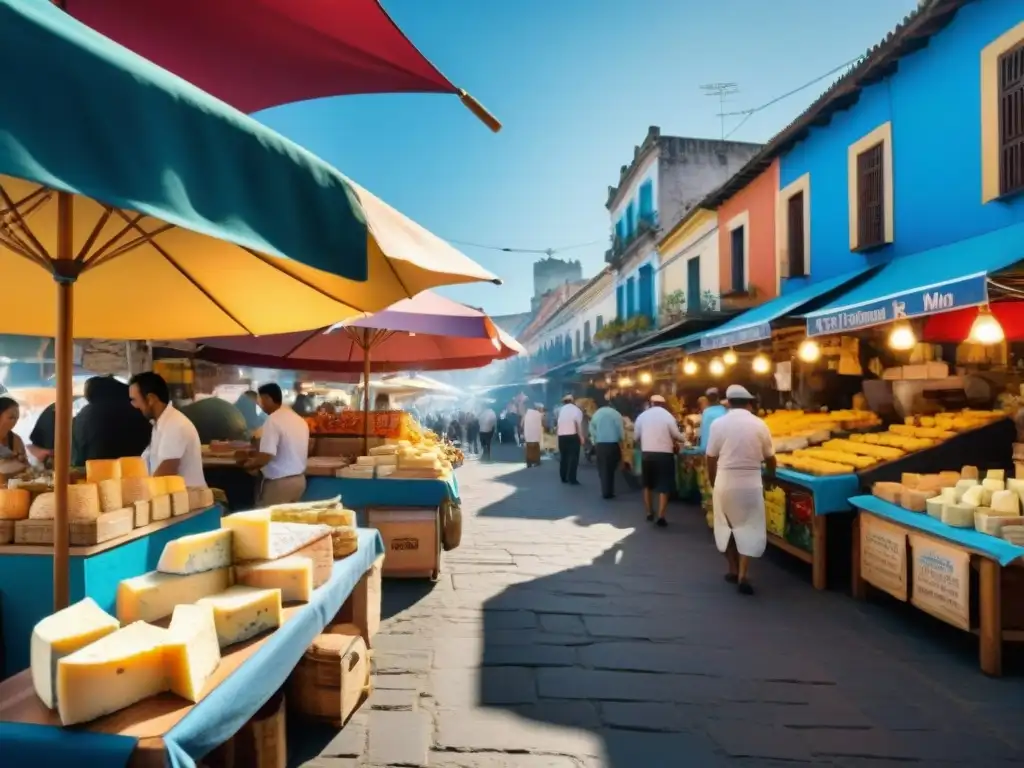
x,y
394,425
794,430
812,466
775,510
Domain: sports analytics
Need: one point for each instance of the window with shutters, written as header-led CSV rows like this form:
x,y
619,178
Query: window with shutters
x,y
870,198
796,247
793,228
739,258
1011,121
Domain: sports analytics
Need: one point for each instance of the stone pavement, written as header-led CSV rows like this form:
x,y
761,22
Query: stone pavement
x,y
566,632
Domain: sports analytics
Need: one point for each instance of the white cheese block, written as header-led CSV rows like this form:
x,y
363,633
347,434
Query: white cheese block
x,y
1017,486
366,461
1006,502
113,673
934,506
996,474
948,495
160,507
257,538
292,575
243,612
61,634
192,653
966,483
993,484
958,515
197,553
974,496
155,595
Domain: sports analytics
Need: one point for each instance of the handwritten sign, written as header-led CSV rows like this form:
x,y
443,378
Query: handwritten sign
x,y
883,556
941,581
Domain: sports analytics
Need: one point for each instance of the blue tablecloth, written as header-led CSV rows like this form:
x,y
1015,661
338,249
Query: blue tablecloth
x,y
357,493
220,715
998,549
831,493
26,581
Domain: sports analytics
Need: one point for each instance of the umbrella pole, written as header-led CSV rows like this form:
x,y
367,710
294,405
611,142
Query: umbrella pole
x,y
65,270
366,391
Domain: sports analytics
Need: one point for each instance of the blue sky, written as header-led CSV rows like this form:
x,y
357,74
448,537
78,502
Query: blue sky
x,y
576,84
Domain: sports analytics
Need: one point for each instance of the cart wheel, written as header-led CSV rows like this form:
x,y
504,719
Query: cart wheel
x,y
435,575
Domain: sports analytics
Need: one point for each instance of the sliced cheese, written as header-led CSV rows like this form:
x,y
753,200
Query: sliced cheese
x,y
293,575
257,538
338,518
112,673
243,612
63,633
1005,502
197,553
133,466
83,503
98,470
14,503
192,653
111,498
175,483
154,595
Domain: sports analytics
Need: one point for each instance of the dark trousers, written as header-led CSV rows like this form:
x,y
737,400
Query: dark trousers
x,y
568,457
609,456
485,443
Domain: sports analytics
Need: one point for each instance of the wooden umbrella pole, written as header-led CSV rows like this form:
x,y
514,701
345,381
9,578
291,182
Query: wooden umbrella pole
x,y
65,271
366,390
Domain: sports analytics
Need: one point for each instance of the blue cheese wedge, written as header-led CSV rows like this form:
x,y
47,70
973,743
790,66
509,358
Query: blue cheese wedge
x,y
240,613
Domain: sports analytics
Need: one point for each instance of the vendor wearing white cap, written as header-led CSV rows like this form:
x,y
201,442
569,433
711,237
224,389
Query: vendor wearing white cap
x,y
657,433
738,444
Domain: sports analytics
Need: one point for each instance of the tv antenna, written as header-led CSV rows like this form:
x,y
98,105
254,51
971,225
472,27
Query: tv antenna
x,y
721,91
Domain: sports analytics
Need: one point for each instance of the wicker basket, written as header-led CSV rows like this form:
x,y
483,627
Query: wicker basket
x,y
333,677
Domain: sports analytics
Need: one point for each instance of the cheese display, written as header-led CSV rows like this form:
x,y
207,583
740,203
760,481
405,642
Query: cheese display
x,y
112,673
817,426
914,500
83,502
192,651
174,484
888,491
98,470
344,541
958,515
14,503
155,595
133,466
61,634
135,489
110,495
812,466
256,537
242,612
199,552
292,575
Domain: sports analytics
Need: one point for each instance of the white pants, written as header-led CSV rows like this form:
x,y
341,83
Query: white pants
x,y
738,501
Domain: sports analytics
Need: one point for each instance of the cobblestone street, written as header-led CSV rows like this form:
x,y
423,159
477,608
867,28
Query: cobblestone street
x,y
566,632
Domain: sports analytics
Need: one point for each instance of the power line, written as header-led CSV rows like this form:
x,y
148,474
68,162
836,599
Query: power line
x,y
543,251
747,113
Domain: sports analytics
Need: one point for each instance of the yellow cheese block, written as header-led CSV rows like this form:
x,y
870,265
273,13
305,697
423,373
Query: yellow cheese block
x,y
154,595
196,553
158,486
83,503
175,484
112,673
257,538
98,470
111,498
135,489
133,466
14,503
192,653
243,612
292,575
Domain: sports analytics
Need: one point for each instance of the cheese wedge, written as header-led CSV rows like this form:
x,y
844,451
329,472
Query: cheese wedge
x,y
197,553
133,466
61,634
243,612
175,483
257,538
14,503
155,595
111,498
292,575
192,653
112,673
98,470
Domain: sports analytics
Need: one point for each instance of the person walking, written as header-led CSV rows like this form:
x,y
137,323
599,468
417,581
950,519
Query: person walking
x,y
472,433
488,421
712,411
738,444
533,433
570,440
657,433
606,432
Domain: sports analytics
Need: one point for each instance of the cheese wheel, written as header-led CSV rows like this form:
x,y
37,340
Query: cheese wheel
x,y
14,503
98,470
133,466
83,503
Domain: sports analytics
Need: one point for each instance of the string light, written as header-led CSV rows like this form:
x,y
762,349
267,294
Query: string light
x,y
986,329
690,367
624,382
645,378
761,364
716,367
902,337
730,358
809,351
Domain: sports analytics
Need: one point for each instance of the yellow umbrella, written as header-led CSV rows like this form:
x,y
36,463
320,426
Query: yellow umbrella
x,y
132,205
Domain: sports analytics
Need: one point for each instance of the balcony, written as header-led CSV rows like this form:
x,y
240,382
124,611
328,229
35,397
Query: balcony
x,y
646,224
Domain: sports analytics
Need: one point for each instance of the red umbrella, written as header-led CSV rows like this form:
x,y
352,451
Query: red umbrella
x,y
256,54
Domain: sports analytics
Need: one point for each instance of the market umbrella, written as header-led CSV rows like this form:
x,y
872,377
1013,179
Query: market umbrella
x,y
256,54
165,213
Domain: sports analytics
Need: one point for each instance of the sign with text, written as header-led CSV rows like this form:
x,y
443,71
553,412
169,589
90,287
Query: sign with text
x,y
883,556
942,580
746,335
966,292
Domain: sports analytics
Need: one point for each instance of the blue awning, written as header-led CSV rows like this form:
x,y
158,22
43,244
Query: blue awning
x,y
939,280
755,324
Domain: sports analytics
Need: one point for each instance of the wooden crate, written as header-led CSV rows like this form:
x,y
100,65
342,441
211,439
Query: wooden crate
x,y
6,531
333,677
412,540
82,533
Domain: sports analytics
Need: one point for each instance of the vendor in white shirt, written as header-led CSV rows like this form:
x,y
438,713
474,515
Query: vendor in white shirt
x,y
174,448
570,439
283,451
533,433
658,434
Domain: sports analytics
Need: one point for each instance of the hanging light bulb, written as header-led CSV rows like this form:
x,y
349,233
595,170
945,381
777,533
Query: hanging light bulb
x,y
986,329
730,358
716,367
690,367
645,378
809,351
902,337
761,364
624,382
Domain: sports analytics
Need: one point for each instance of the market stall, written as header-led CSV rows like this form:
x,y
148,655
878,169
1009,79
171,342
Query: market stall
x,y
165,729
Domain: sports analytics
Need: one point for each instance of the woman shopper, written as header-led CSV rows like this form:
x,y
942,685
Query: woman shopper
x,y
12,448
738,444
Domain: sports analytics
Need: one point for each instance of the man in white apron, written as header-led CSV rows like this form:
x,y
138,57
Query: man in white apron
x,y
739,442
